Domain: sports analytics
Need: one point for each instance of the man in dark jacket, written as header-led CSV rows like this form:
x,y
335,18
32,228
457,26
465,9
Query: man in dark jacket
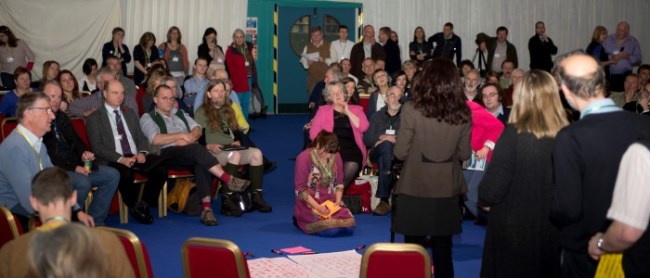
x,y
367,48
500,49
380,139
446,44
393,55
541,49
67,151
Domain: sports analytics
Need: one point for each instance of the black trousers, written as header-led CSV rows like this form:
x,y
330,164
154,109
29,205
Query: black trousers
x,y
441,253
195,158
577,264
156,178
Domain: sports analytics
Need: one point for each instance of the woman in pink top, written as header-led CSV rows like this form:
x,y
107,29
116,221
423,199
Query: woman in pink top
x,y
348,122
486,130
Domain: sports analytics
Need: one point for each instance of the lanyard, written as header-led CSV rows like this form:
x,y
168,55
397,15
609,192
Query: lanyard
x,y
146,57
38,156
327,170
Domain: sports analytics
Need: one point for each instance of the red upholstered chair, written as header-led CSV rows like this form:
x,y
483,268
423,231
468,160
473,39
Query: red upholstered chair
x,y
139,94
135,250
206,257
80,127
8,125
10,228
395,260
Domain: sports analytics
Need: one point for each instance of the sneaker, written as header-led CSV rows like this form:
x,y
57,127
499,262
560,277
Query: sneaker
x,y
207,218
382,208
237,184
259,203
229,206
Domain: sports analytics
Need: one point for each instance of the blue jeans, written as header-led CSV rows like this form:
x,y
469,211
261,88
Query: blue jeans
x,y
245,98
382,154
106,179
473,179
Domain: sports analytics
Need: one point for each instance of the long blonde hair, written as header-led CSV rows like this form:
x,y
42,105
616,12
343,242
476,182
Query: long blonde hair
x,y
537,108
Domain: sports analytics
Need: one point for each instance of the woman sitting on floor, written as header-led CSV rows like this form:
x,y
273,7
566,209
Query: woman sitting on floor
x,y
318,179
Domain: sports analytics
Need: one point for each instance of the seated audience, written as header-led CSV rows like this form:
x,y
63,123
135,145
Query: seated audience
x,y
22,80
316,99
175,133
515,77
129,86
506,69
118,142
70,87
366,86
38,251
641,106
401,81
351,90
67,151
380,140
630,94
22,155
644,74
492,95
88,83
377,98
220,128
346,66
348,122
472,81
319,178
83,107
50,72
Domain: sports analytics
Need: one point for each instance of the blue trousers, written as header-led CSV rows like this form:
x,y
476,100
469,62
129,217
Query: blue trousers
x,y
382,154
106,179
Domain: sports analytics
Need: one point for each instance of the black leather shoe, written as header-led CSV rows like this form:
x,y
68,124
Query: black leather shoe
x,y
142,214
259,203
229,206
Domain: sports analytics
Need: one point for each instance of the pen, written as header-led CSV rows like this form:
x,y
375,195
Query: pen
x,y
276,251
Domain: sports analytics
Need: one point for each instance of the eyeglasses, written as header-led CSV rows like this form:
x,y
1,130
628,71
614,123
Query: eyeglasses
x,y
46,109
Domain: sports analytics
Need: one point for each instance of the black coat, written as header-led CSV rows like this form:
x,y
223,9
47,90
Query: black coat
x,y
540,53
520,240
68,160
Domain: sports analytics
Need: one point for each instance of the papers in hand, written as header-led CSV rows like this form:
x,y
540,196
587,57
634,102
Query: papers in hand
x,y
333,208
475,164
311,56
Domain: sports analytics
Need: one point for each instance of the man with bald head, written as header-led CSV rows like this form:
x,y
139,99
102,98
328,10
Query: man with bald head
x,y
367,48
586,159
625,52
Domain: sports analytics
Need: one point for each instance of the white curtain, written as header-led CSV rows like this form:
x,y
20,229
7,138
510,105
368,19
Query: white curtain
x,y
569,23
191,16
66,31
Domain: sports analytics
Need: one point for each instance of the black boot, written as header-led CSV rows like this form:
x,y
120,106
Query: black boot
x,y
259,203
230,206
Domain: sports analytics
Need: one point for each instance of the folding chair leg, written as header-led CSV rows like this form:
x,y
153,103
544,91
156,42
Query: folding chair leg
x,y
124,210
89,199
162,202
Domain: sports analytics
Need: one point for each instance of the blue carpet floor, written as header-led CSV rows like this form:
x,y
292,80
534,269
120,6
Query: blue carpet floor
x,y
280,139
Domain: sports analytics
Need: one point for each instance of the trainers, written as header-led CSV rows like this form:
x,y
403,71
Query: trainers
x,y
229,206
382,208
207,218
237,184
259,203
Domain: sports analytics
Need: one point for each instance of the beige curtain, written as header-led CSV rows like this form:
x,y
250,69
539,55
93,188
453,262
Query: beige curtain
x,y
66,31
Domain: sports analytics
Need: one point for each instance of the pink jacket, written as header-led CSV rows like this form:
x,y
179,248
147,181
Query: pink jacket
x,y
324,120
485,126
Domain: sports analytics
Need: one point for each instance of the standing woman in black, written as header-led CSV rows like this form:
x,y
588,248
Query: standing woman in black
x,y
419,48
431,180
517,188
143,55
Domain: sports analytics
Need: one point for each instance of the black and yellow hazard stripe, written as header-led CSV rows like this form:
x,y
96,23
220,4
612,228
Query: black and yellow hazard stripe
x,y
360,28
275,52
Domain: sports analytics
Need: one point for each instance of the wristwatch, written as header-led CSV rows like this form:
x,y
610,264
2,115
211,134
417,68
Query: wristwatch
x,y
600,242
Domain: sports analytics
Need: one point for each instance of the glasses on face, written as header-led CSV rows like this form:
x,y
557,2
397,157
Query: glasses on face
x,y
490,95
48,110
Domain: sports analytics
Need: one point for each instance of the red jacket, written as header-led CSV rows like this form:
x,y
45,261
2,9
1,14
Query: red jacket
x,y
236,64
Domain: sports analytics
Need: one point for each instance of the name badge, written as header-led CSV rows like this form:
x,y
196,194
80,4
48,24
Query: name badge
x,y
175,59
118,137
390,132
220,61
148,65
110,52
10,60
497,55
247,63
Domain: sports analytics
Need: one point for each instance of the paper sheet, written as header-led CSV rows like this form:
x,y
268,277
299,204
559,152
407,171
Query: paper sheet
x,y
280,267
311,56
295,250
331,265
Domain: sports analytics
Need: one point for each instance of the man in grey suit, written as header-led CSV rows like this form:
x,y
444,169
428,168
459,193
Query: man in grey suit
x,y
117,141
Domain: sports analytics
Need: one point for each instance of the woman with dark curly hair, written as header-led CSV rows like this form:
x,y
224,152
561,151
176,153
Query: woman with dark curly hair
x,y
433,138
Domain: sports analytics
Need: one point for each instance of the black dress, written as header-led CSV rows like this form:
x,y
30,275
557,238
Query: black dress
x,y
520,240
348,147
